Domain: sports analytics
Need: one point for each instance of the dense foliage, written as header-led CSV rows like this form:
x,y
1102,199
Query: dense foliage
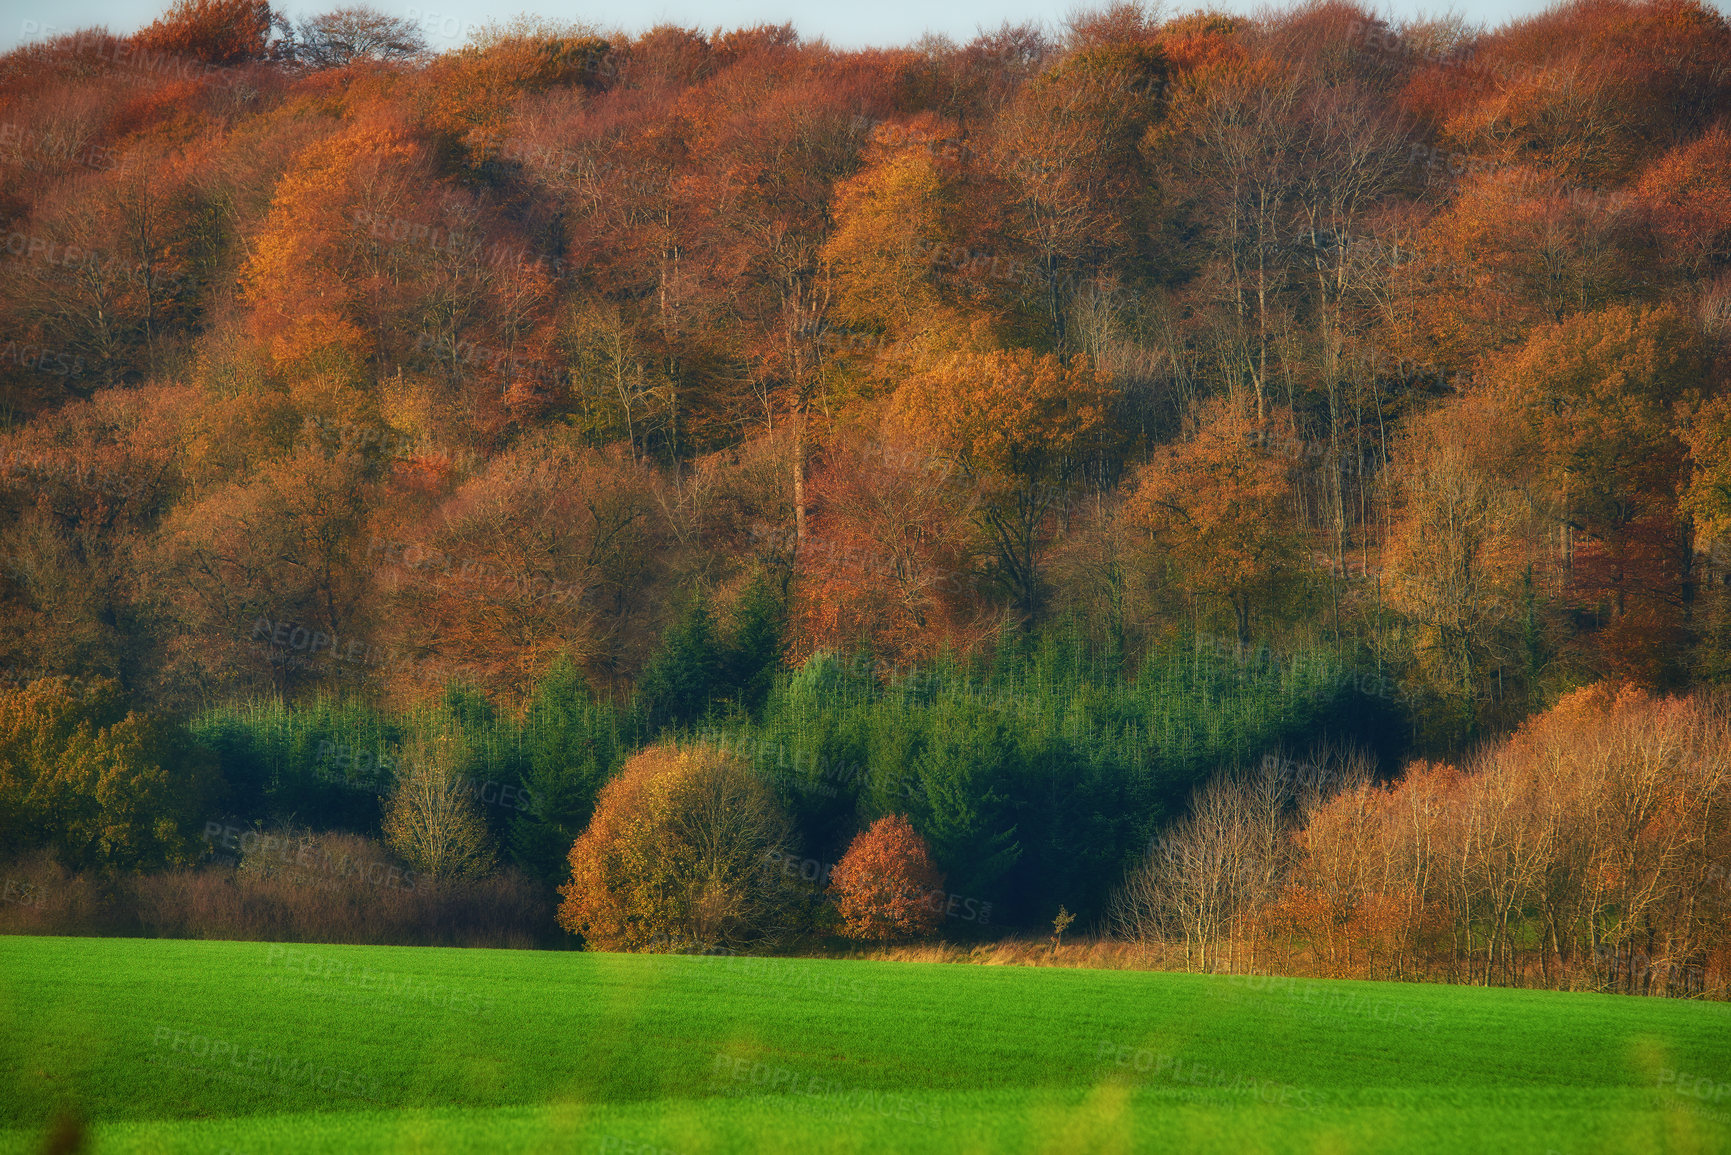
x,y
886,886
102,785
684,848
1010,435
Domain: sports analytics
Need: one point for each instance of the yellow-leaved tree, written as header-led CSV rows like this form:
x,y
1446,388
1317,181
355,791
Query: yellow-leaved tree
x,y
103,785
1218,510
891,233
1016,430
686,850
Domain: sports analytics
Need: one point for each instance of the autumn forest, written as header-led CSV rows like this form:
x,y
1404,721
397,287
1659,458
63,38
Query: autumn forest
x,y
1258,486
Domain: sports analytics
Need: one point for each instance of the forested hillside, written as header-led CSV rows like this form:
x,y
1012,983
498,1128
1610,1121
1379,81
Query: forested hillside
x,y
1008,434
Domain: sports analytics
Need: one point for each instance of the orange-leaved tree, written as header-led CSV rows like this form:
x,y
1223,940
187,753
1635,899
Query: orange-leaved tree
x,y
1218,510
1455,550
316,275
222,32
1688,194
1596,397
684,848
886,885
1068,149
890,560
1018,427
549,548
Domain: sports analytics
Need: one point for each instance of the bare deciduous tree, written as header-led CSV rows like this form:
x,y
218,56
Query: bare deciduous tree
x,y
338,38
1207,879
431,818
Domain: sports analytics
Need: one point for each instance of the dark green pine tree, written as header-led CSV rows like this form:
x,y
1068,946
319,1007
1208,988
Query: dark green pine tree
x,y
676,686
570,748
752,657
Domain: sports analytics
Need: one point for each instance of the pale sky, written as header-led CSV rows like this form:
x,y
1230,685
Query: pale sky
x,y
882,23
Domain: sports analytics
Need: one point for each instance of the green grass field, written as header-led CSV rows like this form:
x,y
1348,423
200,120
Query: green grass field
x,y
252,1047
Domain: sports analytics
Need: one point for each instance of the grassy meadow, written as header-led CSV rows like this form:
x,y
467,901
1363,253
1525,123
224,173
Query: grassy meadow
x,y
161,1045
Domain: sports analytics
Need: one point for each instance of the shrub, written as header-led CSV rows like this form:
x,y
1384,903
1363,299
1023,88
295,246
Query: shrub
x,y
886,885
1587,849
681,848
39,895
290,885
300,886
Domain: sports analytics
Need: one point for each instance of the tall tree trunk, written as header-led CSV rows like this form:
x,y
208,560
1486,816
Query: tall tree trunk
x,y
799,426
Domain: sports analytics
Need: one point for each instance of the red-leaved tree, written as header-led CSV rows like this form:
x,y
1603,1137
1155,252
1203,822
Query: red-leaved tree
x,y
886,885
220,32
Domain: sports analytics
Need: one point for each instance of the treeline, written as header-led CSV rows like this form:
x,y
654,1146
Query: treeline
x,y
1587,851
1038,776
